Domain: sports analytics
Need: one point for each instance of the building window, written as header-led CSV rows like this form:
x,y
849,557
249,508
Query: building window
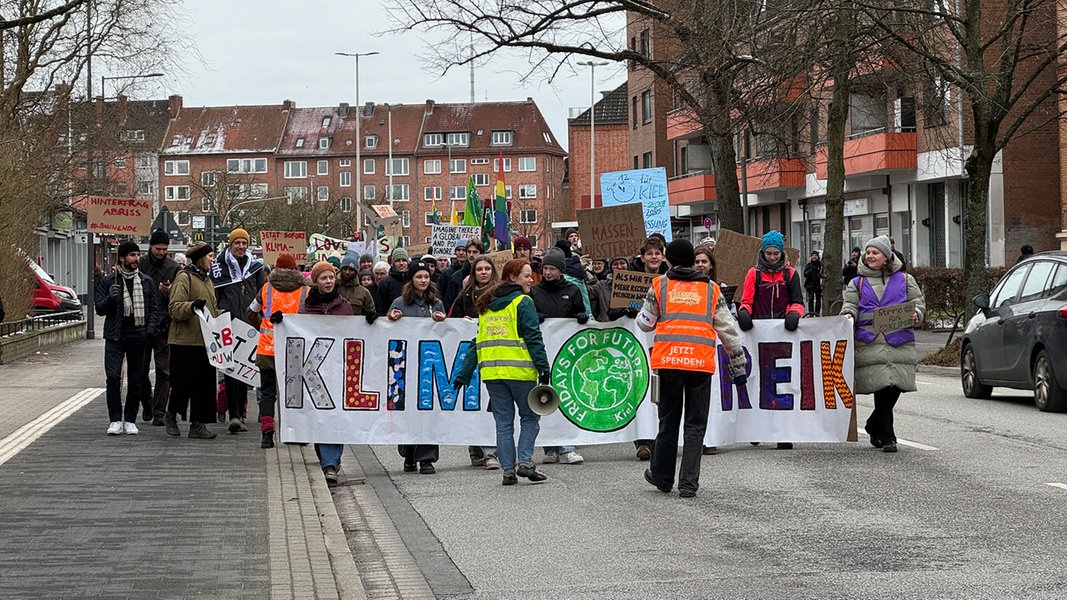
x,y
398,166
431,192
322,167
462,138
324,143
936,103
646,44
145,161
400,192
296,194
368,192
528,215
344,162
481,178
132,135
507,192
646,160
120,162
405,218
528,163
527,191
207,179
207,205
346,179
299,142
368,166
646,106
370,142
322,193
245,190
457,165
433,139
496,165
431,167
457,192
176,167
427,219
293,169
176,192
326,121
633,111
346,204
146,187
502,138
403,241
246,165
479,161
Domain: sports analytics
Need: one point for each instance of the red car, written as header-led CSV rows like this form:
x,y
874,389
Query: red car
x,y
48,296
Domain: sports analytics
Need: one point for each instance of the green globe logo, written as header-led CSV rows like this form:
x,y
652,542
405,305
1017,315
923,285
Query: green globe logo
x,y
602,376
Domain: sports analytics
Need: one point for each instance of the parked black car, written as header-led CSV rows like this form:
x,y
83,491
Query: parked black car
x,y
1019,337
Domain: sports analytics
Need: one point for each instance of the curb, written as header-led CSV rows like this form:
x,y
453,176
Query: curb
x,y
345,572
940,371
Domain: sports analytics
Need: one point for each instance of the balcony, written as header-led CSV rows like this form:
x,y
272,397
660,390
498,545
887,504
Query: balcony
x,y
775,173
682,124
870,153
695,187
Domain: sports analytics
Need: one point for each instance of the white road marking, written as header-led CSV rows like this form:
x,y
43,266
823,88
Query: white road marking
x,y
915,445
25,435
1062,486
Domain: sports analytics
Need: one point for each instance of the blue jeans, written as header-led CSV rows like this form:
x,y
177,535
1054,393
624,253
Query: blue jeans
x,y
329,454
504,395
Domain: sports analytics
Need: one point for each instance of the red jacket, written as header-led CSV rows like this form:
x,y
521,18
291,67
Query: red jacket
x,y
778,293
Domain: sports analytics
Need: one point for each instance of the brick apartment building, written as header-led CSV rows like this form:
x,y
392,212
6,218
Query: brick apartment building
x,y
611,135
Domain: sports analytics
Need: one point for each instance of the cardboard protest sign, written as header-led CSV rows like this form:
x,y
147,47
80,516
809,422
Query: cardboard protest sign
x,y
417,249
500,258
611,231
231,346
628,288
443,238
120,216
736,253
279,242
647,187
888,319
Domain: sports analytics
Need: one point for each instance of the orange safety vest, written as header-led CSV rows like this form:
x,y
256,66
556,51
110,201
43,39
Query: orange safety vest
x,y
685,336
274,301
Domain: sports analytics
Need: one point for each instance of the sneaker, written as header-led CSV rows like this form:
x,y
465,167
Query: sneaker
x,y
710,450
114,428
268,439
129,428
146,413
330,473
427,468
890,446
170,421
243,428
157,421
530,472
644,452
785,445
686,493
478,461
235,425
663,488
492,463
571,458
551,456
509,478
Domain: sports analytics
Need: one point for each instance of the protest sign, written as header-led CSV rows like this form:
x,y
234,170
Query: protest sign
x,y
736,253
611,231
343,381
278,242
231,346
320,247
443,238
119,216
628,288
500,258
647,187
888,319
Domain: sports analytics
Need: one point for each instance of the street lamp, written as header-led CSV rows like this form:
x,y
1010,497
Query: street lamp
x,y
359,140
592,127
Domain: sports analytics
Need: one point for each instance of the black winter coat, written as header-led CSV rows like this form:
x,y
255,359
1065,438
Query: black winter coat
x,y
236,297
559,298
389,289
116,328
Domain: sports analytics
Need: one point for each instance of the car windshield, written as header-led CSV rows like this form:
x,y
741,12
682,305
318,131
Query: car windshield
x,y
40,272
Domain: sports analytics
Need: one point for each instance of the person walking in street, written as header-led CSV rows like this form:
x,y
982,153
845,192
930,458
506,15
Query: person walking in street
x,y
688,314
511,353
772,291
650,259
885,364
238,276
704,262
162,269
813,283
284,291
418,299
192,376
126,298
848,273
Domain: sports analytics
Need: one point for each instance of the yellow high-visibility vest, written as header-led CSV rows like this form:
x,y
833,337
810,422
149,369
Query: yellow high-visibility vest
x,y
502,354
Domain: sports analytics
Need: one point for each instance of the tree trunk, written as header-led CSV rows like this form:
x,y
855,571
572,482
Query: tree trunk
x,y
724,161
832,259
979,167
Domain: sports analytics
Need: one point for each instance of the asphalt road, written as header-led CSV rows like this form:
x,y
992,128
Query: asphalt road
x,y
971,507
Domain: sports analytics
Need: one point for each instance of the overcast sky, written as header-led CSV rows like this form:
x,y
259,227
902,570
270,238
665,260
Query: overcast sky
x,y
267,51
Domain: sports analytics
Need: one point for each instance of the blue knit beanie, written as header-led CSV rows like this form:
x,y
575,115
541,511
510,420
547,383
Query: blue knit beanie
x,y
773,239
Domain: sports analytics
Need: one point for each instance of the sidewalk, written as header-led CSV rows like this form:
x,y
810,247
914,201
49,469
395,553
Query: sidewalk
x,y
150,516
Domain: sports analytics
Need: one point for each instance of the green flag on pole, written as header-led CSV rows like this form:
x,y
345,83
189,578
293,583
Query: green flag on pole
x,y
472,215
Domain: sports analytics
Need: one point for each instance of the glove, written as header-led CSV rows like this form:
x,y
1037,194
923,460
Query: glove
x,y
744,320
740,380
631,312
792,319
582,318
540,317
458,385
199,304
115,291
276,317
370,317
544,378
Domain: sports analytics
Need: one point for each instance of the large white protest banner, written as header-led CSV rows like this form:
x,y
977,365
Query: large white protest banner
x,y
341,380
231,346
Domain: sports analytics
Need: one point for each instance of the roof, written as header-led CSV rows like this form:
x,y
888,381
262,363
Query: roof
x,y
611,110
524,118
307,124
406,129
230,130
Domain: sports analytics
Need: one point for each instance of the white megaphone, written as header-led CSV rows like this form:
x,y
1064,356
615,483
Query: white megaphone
x,y
543,400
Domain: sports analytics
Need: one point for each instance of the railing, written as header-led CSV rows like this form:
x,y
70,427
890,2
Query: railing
x,y
39,322
877,130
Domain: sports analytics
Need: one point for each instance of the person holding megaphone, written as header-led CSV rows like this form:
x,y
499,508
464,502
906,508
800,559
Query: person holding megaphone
x,y
511,353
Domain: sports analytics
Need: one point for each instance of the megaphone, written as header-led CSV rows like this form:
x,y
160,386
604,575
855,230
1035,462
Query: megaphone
x,y
543,400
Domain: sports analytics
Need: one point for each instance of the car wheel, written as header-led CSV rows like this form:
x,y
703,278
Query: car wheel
x,y
972,388
1048,395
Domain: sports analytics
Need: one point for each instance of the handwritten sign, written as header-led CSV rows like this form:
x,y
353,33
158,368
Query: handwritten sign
x,y
120,216
276,243
231,346
322,246
611,231
500,259
647,187
628,288
736,253
888,319
443,238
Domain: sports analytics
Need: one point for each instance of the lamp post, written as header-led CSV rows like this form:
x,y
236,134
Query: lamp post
x,y
359,140
592,127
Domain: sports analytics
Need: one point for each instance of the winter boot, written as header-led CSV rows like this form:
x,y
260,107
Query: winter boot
x,y
170,421
268,439
200,431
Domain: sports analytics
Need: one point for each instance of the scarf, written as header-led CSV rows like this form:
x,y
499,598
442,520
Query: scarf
x,y
132,304
234,273
766,267
315,297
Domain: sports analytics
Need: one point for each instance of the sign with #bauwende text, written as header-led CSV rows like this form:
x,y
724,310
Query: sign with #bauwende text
x,y
647,187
